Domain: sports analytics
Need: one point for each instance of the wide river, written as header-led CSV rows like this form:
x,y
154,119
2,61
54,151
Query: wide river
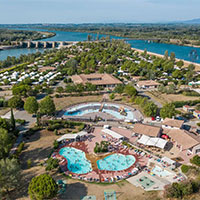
x,y
182,52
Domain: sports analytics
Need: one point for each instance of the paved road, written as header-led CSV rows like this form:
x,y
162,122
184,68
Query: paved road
x,y
151,99
21,114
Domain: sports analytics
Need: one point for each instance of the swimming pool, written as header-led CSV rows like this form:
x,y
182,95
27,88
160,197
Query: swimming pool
x,y
160,172
76,160
116,162
108,108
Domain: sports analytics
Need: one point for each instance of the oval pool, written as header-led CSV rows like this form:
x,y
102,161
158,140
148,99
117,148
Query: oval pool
x,y
76,160
109,108
116,162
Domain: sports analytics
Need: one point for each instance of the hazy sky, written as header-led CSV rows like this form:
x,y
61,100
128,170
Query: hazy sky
x,y
82,11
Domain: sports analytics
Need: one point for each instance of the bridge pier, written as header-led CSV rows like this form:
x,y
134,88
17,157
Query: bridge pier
x,y
36,45
53,45
28,44
45,44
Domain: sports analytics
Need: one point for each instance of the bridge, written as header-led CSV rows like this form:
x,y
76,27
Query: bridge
x,y
42,44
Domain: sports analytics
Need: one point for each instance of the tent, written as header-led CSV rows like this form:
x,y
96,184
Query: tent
x,y
67,137
161,143
113,134
82,133
152,141
143,139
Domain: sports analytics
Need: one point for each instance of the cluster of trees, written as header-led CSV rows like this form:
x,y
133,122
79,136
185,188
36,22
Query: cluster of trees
x,y
102,57
168,110
102,147
180,190
10,61
8,35
165,33
148,107
10,171
79,88
196,160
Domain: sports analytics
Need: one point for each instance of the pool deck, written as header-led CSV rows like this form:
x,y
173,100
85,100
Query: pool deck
x,y
159,183
88,147
106,116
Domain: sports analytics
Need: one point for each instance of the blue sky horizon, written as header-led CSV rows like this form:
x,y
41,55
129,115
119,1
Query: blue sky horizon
x,y
97,11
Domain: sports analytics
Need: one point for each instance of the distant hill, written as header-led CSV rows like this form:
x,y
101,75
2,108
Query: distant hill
x,y
193,21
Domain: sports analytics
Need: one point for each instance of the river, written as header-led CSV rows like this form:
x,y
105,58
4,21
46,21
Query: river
x,y
191,54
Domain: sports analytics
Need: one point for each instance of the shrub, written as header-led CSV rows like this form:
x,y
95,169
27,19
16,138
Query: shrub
x,y
21,121
195,160
55,144
185,168
42,187
179,190
20,148
29,163
52,164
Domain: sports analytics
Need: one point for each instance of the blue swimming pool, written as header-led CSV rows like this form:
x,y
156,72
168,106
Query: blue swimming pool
x,y
161,172
112,109
116,162
76,160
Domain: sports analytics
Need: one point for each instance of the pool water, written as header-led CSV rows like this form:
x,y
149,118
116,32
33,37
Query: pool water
x,y
81,110
116,162
76,160
160,172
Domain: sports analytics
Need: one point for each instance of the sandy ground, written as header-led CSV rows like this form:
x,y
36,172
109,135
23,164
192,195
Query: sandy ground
x,y
37,148
124,191
186,63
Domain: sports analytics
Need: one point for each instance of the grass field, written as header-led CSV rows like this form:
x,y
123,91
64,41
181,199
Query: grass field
x,y
64,102
168,98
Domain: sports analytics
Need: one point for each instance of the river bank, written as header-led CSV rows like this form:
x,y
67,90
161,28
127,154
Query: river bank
x,y
186,63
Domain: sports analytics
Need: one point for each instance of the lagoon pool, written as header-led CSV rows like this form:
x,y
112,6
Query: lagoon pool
x,y
112,109
161,172
76,160
116,162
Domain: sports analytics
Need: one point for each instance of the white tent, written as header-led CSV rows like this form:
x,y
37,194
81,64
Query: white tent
x,y
143,140
161,143
152,141
113,134
67,137
82,133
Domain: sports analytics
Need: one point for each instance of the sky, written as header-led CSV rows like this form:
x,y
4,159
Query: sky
x,y
97,11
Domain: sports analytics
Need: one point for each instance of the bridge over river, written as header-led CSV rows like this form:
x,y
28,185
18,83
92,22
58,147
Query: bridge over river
x,y
42,44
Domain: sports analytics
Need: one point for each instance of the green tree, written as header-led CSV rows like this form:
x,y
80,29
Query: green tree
x,y
166,56
196,160
16,102
5,143
47,106
42,187
119,89
112,96
31,105
180,63
150,109
4,123
10,174
130,90
172,56
168,110
60,90
12,120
